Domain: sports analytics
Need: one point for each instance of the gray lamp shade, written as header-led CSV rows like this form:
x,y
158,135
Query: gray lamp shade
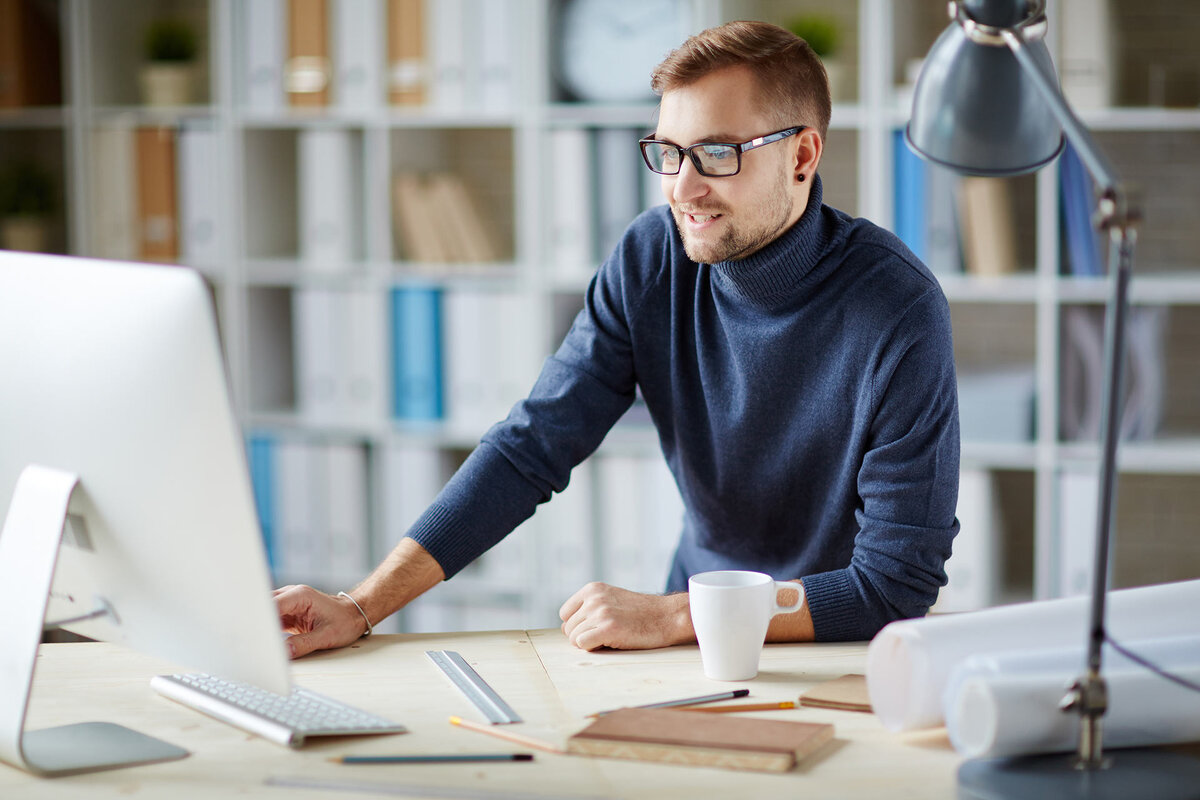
x,y
976,112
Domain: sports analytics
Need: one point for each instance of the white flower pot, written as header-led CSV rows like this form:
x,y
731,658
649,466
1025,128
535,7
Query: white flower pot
x,y
167,84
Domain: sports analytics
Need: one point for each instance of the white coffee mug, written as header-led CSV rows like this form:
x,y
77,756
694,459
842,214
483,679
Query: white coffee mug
x,y
731,610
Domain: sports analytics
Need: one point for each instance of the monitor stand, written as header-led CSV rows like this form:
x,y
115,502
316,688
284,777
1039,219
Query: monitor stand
x,y
29,546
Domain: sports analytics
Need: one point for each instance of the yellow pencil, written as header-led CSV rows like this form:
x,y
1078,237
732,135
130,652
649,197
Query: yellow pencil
x,y
742,707
503,734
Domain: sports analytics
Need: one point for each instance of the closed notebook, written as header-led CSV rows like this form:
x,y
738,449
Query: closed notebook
x,y
847,693
679,737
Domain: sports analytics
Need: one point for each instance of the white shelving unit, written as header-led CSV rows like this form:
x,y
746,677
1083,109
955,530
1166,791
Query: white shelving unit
x,y
261,267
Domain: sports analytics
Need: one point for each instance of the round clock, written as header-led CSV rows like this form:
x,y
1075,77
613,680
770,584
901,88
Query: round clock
x,y
608,48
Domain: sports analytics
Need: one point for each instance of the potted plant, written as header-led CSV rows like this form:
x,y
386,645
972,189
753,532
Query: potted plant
x,y
168,75
27,205
823,34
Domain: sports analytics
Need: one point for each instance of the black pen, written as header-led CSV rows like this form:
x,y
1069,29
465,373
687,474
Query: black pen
x,y
687,701
452,758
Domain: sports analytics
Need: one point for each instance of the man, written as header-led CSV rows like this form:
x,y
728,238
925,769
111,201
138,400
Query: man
x,y
797,364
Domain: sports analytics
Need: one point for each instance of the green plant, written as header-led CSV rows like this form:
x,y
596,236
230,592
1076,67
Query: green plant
x,y
170,40
26,189
820,31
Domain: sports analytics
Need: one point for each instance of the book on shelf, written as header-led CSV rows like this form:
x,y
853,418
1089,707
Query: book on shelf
x,y
407,65
30,64
924,209
711,740
157,195
437,220
572,187
358,55
264,27
339,349
449,57
260,449
1078,501
618,183
974,569
640,516
988,229
417,389
496,30
1086,65
308,72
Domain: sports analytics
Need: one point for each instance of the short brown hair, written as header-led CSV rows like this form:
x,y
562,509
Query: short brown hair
x,y
790,75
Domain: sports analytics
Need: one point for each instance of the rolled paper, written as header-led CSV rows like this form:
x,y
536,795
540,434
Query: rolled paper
x,y
909,662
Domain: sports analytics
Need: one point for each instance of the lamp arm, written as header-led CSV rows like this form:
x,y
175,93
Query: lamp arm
x,y
1119,214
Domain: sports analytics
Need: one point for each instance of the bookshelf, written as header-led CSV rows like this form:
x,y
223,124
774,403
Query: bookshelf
x,y
291,211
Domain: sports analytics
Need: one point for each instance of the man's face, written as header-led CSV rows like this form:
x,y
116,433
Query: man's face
x,y
728,217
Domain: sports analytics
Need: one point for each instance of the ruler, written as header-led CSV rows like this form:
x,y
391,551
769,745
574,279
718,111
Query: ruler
x,y
474,687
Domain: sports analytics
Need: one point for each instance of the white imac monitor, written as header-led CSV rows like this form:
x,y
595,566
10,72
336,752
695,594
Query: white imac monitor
x,y
117,438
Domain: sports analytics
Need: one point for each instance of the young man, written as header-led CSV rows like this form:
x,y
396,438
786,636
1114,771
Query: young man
x,y
797,364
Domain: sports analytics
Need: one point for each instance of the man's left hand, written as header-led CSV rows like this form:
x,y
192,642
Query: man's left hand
x,y
599,615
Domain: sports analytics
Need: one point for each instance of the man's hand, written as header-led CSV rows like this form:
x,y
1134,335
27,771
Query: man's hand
x,y
317,621
599,615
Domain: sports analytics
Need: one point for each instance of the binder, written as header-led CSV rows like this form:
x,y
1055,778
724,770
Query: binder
x,y
571,192
363,315
158,215
330,205
450,60
345,524
495,35
358,54
417,393
112,196
318,355
407,76
261,453
909,201
308,72
265,51
199,195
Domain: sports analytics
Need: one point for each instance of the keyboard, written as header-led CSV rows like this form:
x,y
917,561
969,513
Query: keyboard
x,y
283,719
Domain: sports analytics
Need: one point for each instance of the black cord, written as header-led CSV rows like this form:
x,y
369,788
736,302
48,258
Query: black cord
x,y
1157,670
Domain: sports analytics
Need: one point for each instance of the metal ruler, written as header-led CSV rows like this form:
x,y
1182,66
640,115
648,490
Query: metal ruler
x,y
474,687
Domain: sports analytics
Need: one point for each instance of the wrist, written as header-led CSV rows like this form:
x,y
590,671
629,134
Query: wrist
x,y
681,615
358,611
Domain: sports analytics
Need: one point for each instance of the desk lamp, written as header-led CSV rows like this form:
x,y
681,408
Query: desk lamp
x,y
987,103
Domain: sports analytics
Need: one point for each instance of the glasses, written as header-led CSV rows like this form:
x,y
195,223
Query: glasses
x,y
711,159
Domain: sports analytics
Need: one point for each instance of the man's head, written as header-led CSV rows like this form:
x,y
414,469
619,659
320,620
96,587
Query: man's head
x,y
732,84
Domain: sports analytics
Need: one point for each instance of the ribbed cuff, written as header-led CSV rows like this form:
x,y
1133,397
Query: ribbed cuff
x,y
444,535
836,615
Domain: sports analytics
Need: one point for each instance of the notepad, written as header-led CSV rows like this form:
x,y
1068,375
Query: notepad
x,y
847,693
679,737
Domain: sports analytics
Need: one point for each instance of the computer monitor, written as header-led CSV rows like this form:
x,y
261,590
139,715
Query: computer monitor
x,y
117,436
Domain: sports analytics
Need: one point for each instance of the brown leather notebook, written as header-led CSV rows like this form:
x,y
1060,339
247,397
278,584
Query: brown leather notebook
x,y
847,693
678,737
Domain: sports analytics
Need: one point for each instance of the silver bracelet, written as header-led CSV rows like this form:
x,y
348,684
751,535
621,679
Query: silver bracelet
x,y
364,614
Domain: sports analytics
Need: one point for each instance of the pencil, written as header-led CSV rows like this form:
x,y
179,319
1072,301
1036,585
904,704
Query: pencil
x,y
507,736
433,759
742,707
687,701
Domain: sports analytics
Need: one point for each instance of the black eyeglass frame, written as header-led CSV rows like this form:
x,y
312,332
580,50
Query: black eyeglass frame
x,y
738,148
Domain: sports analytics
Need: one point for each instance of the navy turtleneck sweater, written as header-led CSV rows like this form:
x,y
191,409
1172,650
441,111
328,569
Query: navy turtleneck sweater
x,y
804,398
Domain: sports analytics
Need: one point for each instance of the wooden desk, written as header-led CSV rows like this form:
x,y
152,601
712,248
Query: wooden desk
x,y
552,685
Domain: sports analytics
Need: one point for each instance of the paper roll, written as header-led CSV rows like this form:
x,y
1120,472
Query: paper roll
x,y
910,662
1008,704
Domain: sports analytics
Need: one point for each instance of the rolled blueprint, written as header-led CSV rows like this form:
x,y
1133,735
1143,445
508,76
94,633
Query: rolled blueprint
x,y
1007,704
909,662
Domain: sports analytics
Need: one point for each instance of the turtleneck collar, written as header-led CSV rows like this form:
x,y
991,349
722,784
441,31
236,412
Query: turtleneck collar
x,y
769,277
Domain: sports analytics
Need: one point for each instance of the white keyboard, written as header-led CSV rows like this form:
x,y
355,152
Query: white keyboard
x,y
283,719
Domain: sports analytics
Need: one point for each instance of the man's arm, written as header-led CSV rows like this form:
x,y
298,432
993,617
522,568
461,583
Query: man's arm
x,y
599,615
318,621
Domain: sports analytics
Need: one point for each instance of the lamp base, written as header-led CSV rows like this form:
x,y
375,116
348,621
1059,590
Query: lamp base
x,y
1134,772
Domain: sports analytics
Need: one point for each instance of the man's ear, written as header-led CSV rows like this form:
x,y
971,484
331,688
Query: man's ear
x,y
807,154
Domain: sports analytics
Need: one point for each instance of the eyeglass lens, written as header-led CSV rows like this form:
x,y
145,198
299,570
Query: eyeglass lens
x,y
714,159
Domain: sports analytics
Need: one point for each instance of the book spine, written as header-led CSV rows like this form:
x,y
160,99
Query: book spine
x,y
358,53
158,215
408,70
909,199
265,53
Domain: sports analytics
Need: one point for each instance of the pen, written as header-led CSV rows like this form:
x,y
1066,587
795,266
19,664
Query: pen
x,y
743,707
433,759
506,735
687,701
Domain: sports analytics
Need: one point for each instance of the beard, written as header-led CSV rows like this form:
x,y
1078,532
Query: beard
x,y
764,221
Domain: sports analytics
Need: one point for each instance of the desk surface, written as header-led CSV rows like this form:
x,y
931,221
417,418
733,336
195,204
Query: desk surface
x,y
552,685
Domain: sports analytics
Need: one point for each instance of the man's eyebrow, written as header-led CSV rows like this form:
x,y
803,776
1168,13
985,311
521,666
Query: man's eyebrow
x,y
712,137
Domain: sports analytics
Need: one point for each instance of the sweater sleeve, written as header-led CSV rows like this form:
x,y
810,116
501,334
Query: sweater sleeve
x,y
582,391
908,485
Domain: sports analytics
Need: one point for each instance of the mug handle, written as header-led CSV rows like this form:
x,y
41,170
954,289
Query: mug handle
x,y
794,586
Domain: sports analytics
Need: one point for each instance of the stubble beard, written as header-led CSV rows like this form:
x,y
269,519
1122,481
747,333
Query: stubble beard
x,y
738,243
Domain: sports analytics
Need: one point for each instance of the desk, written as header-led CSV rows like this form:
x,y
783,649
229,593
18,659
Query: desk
x,y
551,684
